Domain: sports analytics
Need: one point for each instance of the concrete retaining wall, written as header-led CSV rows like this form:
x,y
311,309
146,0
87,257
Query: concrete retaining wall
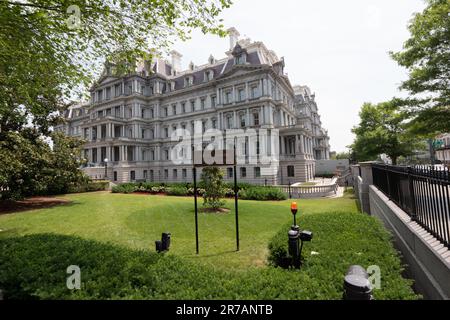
x,y
428,260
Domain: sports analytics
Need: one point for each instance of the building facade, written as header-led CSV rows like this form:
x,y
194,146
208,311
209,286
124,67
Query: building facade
x,y
132,120
443,150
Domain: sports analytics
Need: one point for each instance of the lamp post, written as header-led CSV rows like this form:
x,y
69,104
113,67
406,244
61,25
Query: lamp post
x,y
106,167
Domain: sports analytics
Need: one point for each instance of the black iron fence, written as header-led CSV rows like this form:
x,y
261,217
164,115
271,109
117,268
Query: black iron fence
x,y
422,192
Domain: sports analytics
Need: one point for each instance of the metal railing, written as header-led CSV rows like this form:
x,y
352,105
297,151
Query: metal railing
x,y
423,193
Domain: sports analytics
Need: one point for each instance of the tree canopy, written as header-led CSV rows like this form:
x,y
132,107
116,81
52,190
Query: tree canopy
x,y
426,56
51,50
381,130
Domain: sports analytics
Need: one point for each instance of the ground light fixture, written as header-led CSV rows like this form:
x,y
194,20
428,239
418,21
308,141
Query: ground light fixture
x,y
295,236
163,244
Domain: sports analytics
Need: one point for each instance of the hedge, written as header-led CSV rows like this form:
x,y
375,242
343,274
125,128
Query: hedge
x,y
262,193
113,272
246,191
90,186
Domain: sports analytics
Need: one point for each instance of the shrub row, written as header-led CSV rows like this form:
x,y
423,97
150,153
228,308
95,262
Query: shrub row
x,y
89,186
262,193
113,272
246,191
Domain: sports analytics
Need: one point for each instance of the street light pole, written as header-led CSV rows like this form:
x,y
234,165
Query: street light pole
x,y
106,167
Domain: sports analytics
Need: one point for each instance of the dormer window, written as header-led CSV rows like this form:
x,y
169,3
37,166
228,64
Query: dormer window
x,y
172,85
211,60
188,81
239,54
240,59
208,75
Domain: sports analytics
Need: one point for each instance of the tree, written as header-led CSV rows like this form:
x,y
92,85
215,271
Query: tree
x,y
212,179
341,156
426,56
50,50
382,131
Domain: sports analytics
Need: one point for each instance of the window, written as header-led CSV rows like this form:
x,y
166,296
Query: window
x,y
143,133
94,155
241,94
175,173
118,90
152,155
202,104
108,93
99,95
183,107
257,172
208,76
166,132
193,105
290,171
116,154
242,120
203,126
240,59
255,92
166,174
184,173
243,172
174,109
166,154
145,174
227,97
230,172
165,112
115,176
214,125
256,118
188,81
213,101
229,121
117,111
103,153
132,175
151,175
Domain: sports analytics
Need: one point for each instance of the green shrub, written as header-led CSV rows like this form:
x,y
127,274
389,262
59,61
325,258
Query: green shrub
x,y
89,186
113,272
125,188
262,193
177,191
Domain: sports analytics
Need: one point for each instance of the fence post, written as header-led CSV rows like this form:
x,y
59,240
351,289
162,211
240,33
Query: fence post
x,y
412,195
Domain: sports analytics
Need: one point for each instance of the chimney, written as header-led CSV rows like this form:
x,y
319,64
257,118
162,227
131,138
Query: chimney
x,y
176,60
234,36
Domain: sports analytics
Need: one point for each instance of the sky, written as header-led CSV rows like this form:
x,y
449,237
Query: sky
x,y
340,49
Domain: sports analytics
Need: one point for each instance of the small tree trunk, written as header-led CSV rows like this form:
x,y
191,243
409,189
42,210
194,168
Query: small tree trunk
x,y
394,160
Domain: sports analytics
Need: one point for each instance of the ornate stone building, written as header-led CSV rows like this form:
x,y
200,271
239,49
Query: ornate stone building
x,y
131,120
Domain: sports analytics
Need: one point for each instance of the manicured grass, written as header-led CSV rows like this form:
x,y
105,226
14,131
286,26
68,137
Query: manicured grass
x,y
136,221
34,265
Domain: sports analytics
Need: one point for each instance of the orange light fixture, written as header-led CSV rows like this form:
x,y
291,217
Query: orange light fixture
x,y
294,207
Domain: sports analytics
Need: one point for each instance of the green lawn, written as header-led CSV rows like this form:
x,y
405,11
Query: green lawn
x,y
136,221
77,233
